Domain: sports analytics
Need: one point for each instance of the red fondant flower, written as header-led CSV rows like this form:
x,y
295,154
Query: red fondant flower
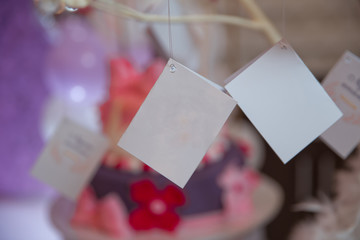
x,y
156,207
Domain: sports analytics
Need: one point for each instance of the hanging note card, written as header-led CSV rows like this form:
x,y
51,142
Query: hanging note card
x,y
70,158
343,85
177,122
283,100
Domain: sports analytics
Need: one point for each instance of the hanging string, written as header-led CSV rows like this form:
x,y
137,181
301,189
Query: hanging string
x,y
283,27
169,29
283,20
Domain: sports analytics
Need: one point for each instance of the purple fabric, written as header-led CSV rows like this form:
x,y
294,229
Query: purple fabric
x,y
22,93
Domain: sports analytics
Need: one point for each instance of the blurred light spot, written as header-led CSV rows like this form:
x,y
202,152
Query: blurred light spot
x,y
77,94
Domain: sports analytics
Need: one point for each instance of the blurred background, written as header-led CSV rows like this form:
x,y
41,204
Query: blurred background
x,y
55,63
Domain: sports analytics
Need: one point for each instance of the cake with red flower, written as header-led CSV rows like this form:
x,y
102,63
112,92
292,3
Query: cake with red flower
x,y
126,197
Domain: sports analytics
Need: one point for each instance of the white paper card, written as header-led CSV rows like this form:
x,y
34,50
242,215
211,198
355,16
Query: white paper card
x,y
343,85
283,100
70,158
177,123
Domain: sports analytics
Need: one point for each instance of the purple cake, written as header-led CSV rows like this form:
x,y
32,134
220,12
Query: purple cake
x,y
202,192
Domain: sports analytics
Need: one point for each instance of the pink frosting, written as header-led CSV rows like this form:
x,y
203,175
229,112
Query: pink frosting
x,y
107,215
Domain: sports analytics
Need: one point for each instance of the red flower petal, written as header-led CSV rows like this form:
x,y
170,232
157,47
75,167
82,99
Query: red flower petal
x,y
146,168
141,219
172,196
143,191
167,221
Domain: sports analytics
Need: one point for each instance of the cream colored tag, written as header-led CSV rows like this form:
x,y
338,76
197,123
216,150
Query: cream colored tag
x,y
70,159
343,85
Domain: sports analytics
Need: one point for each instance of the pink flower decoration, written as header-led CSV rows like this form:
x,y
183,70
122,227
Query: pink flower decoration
x,y
127,91
156,207
128,88
238,185
107,215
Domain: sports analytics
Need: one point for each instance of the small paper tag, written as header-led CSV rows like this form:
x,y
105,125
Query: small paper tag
x,y
343,85
177,122
284,101
70,158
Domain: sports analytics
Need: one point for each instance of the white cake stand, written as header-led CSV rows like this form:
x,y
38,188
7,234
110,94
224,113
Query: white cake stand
x,y
267,199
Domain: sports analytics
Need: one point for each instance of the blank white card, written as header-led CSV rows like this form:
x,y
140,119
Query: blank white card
x,y
283,100
177,122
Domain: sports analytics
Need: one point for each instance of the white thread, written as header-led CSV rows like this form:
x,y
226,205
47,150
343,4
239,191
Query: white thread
x,y
283,18
169,29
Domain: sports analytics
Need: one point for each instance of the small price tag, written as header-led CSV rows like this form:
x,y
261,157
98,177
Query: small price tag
x,y
283,100
177,122
343,85
70,158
